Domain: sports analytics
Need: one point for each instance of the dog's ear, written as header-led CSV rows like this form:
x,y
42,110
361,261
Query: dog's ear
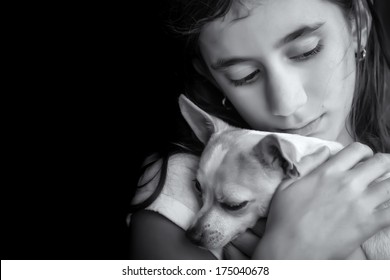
x,y
202,123
272,150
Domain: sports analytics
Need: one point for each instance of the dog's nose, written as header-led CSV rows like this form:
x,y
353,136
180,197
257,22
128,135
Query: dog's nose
x,y
194,235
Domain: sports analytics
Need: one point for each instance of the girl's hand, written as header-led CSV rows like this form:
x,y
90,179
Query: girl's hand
x,y
331,211
244,245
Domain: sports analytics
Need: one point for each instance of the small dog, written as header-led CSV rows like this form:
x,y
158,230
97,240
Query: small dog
x,y
239,172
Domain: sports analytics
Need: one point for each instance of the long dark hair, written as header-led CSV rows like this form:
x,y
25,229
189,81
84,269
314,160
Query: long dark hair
x,y
369,113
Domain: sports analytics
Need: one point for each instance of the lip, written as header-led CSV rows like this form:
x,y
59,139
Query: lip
x,y
306,129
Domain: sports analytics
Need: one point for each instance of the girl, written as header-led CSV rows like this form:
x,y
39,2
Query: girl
x,y
309,67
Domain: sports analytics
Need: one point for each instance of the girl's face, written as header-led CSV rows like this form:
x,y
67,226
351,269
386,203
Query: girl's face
x,y
288,66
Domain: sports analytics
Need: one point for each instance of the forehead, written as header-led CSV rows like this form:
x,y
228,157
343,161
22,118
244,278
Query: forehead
x,y
263,23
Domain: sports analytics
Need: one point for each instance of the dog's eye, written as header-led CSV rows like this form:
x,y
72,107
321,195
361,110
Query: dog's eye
x,y
197,186
234,207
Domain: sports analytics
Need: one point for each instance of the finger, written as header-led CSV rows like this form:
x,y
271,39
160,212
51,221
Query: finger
x,y
230,252
371,169
246,242
378,193
259,227
306,165
348,157
384,205
358,254
382,218
310,162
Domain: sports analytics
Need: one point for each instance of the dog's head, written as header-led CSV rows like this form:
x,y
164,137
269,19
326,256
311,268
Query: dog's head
x,y
237,176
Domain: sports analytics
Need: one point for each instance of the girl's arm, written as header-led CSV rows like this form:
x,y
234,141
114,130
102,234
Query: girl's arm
x,y
152,236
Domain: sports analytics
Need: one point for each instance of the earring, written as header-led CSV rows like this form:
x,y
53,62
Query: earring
x,y
224,101
362,55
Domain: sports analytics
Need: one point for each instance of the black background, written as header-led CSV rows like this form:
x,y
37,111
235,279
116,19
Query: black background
x,y
95,91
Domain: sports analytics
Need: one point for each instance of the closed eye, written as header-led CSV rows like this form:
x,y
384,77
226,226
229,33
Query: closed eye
x,y
234,207
308,54
246,80
198,187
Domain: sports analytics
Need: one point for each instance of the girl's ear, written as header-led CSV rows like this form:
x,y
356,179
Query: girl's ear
x,y
202,123
361,25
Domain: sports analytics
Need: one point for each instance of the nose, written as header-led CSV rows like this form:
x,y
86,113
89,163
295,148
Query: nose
x,y
285,91
195,235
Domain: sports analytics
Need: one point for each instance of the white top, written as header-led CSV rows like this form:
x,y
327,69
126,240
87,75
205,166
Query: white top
x,y
178,200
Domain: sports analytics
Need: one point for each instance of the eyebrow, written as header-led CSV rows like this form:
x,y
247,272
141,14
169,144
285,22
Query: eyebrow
x,y
300,32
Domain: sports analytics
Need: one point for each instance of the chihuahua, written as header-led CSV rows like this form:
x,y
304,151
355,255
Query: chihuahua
x,y
239,171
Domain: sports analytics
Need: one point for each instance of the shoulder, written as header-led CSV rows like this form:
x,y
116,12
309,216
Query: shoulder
x,y
179,172
152,236
170,191
177,165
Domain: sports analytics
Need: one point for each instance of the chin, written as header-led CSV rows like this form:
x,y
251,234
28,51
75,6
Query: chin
x,y
324,135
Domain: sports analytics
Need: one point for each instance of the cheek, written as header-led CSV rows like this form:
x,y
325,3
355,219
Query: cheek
x,y
331,83
250,102
254,110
